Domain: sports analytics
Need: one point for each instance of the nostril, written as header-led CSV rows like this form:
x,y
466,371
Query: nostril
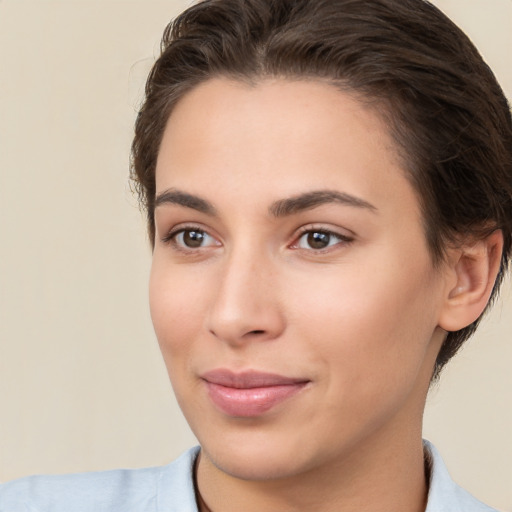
x,y
256,332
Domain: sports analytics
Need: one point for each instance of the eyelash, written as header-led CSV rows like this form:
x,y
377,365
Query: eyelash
x,y
171,238
308,230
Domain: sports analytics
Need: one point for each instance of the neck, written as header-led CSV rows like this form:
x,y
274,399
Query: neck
x,y
380,477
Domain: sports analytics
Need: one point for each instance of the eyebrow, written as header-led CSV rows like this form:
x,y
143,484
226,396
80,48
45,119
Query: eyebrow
x,y
173,196
310,200
281,208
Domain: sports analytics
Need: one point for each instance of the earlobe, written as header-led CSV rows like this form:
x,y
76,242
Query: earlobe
x,y
474,267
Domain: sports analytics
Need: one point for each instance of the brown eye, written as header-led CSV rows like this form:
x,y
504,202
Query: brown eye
x,y
193,238
318,239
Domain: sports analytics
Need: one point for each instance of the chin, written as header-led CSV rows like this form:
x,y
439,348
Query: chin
x,y
257,456
253,465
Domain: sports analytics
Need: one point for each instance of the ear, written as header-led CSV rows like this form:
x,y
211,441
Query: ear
x,y
472,272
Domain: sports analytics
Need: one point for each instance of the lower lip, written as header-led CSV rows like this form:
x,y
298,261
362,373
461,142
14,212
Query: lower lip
x,y
251,402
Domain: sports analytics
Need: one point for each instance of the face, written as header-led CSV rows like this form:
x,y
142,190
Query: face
x,y
292,291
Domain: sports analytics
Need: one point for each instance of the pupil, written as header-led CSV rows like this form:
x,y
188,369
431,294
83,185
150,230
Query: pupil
x,y
193,238
318,240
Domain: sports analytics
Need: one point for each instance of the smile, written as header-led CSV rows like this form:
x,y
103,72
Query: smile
x,y
251,393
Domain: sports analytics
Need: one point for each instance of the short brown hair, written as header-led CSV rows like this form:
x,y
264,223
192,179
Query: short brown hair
x,y
443,105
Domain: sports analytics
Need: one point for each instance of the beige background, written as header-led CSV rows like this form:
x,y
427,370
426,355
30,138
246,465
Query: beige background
x,y
82,386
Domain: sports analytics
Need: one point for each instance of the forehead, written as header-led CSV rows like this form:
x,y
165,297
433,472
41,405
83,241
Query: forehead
x,y
281,107
278,138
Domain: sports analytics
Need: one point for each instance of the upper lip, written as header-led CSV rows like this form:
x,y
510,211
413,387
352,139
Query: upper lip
x,y
249,379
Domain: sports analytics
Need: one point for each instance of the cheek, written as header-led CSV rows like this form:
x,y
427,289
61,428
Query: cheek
x,y
176,309
368,325
370,343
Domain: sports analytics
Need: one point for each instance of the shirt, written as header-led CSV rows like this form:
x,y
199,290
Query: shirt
x,y
171,489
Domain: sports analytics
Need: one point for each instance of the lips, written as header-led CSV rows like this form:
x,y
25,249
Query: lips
x,y
251,393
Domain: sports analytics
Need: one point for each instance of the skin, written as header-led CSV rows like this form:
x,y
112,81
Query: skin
x,y
361,319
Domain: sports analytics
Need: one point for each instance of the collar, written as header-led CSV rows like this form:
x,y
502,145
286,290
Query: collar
x,y
444,494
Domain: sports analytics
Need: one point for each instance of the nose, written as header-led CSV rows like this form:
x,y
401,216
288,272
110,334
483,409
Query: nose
x,y
246,304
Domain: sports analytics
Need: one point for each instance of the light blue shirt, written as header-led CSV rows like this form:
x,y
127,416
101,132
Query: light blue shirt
x,y
171,489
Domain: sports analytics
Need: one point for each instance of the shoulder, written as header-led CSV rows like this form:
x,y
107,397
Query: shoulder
x,y
444,494
155,489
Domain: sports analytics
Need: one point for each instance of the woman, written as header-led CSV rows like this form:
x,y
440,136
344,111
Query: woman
x,y
329,198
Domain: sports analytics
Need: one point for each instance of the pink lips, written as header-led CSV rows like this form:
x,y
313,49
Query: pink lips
x,y
250,393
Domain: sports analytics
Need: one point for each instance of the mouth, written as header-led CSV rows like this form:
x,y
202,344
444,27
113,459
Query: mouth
x,y
251,393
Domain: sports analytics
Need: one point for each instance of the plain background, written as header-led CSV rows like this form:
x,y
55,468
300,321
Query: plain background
x,y
82,386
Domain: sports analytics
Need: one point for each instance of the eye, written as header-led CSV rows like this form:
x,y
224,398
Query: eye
x,y
318,239
191,238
